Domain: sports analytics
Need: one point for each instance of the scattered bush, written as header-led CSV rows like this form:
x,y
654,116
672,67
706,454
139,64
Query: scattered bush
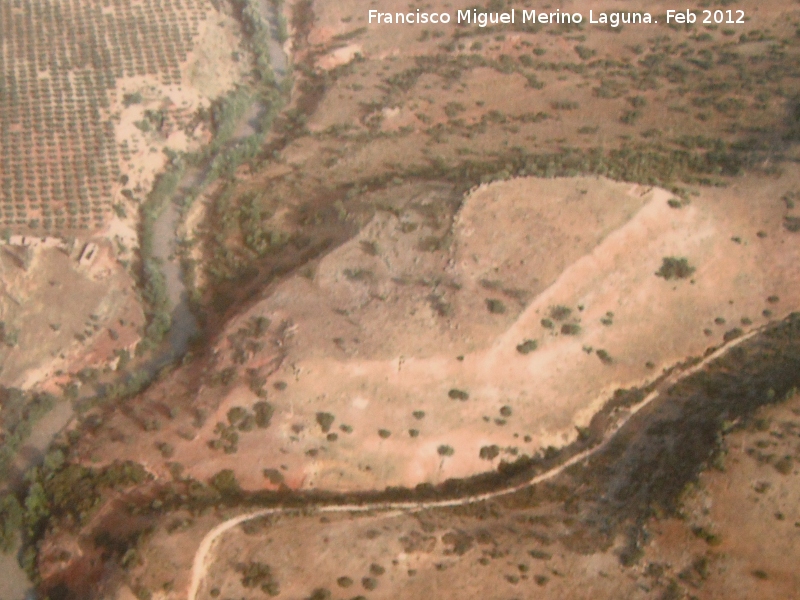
x,y
784,465
495,306
369,583
275,477
559,313
263,413
570,329
564,105
489,452
673,267
456,394
384,433
344,582
527,346
131,99
732,334
604,357
10,521
325,421
445,450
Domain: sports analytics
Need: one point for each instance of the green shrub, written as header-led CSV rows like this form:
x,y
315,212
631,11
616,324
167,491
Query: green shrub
x,y
325,421
527,346
263,413
570,329
236,414
584,52
456,394
10,521
733,334
131,99
445,450
495,306
254,573
167,450
564,105
560,313
784,465
369,583
226,484
489,452
673,267
604,357
384,433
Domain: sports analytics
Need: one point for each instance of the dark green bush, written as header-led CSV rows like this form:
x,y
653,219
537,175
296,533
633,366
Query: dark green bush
x,y
559,313
604,357
570,329
673,267
325,421
456,394
263,413
489,452
495,306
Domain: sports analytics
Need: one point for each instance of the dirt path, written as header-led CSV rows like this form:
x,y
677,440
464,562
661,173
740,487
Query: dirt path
x,y
203,557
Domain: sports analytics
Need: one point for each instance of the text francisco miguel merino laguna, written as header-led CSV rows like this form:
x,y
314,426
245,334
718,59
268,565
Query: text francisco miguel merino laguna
x,y
484,19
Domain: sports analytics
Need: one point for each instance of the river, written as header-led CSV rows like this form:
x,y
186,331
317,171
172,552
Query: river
x,y
184,324
14,583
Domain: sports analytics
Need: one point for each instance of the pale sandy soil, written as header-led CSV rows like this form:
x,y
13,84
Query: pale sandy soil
x,y
362,338
55,300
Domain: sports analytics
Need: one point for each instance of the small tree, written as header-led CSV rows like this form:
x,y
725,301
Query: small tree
x,y
456,394
325,421
263,412
673,267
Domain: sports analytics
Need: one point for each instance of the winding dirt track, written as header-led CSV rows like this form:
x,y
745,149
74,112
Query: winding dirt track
x,y
202,557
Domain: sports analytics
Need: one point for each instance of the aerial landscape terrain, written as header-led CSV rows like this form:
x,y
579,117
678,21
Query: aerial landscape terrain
x,y
468,301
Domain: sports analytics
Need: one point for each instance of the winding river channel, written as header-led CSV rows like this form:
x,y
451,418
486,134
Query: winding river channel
x,y
14,583
184,324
